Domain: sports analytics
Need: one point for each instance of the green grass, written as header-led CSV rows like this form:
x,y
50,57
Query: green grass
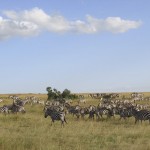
x,y
31,131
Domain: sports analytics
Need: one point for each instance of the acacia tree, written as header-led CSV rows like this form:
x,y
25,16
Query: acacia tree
x,y
50,94
54,94
66,93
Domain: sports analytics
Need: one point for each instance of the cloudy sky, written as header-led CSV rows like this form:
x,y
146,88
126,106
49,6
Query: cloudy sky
x,y
81,45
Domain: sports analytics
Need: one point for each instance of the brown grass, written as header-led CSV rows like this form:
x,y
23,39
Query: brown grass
x,y
31,131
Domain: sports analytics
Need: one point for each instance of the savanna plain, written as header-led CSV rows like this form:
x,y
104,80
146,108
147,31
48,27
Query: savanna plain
x,y
31,131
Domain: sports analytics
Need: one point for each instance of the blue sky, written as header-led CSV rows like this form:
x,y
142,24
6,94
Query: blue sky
x,y
82,45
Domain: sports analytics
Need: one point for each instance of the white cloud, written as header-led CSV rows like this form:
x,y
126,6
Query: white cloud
x,y
32,22
9,28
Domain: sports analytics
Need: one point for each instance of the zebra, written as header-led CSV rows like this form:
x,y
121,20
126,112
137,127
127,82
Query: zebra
x,y
74,110
4,110
92,110
55,115
9,107
141,115
32,100
125,112
20,102
41,102
84,111
104,111
17,108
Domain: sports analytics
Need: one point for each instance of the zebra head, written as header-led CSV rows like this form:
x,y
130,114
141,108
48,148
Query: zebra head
x,y
48,112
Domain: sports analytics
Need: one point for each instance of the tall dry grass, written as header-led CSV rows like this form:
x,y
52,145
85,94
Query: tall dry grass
x,y
31,131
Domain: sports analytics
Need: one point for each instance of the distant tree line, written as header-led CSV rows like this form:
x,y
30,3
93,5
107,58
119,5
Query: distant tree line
x,y
54,94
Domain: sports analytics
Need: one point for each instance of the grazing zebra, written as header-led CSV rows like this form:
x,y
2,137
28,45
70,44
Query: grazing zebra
x,y
141,115
55,115
4,110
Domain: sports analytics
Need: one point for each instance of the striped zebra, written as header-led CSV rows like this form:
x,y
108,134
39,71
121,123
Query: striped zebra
x,y
17,108
104,111
55,115
4,110
32,100
84,111
9,107
41,102
20,102
74,110
125,113
141,115
92,110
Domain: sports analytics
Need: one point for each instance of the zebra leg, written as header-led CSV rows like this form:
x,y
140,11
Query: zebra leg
x,y
93,116
114,116
82,116
120,118
65,120
102,117
5,112
52,122
124,118
23,111
78,116
62,123
97,117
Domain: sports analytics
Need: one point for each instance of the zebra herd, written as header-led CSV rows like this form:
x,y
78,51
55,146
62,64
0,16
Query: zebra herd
x,y
123,109
105,109
18,104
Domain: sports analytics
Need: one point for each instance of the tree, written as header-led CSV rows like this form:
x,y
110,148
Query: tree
x,y
54,94
66,93
48,89
50,93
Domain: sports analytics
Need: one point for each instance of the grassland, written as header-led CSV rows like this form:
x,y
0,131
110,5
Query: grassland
x,y
31,131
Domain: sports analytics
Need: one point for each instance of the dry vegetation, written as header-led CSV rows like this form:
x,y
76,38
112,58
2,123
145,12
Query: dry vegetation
x,y
31,131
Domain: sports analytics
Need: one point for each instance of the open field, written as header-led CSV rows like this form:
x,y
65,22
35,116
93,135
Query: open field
x,y
31,131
